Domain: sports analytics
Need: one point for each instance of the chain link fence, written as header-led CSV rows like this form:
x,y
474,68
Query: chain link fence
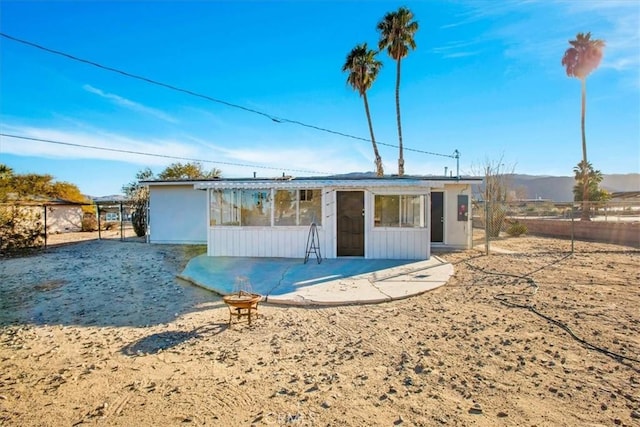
x,y
501,226
29,226
114,222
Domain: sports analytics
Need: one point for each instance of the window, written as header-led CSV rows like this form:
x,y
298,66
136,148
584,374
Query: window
x,y
225,207
254,207
310,207
405,211
298,207
286,208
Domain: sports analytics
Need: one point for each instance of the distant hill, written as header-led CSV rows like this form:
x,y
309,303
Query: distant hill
x,y
560,188
111,198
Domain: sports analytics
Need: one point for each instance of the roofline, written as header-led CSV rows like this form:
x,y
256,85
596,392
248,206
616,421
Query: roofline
x,y
305,181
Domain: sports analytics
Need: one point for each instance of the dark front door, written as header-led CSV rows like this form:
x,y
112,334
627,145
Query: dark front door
x,y
350,205
437,217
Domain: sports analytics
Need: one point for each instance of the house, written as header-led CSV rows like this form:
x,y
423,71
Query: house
x,y
356,216
57,215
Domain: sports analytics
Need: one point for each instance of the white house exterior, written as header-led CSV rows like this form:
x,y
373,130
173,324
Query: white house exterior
x,y
177,213
379,218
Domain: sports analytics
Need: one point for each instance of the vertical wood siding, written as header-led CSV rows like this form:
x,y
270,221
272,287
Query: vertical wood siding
x,y
278,242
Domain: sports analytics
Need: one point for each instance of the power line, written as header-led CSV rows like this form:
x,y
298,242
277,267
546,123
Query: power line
x,y
158,155
209,98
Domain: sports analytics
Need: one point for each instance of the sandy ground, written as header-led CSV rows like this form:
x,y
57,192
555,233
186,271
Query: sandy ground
x,y
101,333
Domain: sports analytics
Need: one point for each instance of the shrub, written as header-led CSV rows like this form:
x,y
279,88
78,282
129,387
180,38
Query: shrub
x,y
20,229
89,223
494,214
516,229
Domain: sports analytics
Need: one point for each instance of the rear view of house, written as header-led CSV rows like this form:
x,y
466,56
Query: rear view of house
x,y
355,216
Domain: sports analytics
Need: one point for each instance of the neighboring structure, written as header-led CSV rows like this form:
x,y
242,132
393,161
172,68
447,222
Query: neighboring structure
x,y
59,215
356,216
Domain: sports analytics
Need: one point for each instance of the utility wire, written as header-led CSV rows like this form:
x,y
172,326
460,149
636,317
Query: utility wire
x,y
504,299
209,98
48,141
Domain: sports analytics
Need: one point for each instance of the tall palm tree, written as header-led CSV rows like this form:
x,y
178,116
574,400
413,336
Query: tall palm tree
x,y
397,30
580,60
363,68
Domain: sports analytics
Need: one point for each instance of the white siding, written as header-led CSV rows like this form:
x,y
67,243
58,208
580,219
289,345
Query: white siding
x,y
457,234
178,214
277,242
398,243
394,242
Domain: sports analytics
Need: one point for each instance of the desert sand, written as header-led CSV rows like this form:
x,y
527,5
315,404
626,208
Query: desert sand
x,y
102,333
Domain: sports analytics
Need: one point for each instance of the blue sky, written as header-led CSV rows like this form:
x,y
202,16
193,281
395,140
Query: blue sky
x,y
485,79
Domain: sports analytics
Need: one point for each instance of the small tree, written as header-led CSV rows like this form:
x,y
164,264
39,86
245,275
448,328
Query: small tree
x,y
494,192
138,194
21,222
193,170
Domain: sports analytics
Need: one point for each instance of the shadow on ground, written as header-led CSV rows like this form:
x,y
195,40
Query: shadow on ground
x,y
101,283
162,341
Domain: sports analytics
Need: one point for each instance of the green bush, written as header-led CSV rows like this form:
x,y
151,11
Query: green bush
x,y
516,229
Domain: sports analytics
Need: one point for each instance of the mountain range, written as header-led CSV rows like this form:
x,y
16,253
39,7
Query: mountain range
x,y
560,188
555,188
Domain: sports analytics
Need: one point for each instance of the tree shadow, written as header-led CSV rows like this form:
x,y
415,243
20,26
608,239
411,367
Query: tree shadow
x,y
100,283
162,341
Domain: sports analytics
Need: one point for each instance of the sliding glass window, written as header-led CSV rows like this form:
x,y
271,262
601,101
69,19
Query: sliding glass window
x,y
406,211
250,208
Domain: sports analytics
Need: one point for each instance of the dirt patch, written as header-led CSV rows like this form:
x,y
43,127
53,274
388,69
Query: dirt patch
x,y
122,342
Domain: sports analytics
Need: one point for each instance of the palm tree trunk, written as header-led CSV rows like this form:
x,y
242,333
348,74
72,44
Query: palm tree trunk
x,y
585,173
379,169
400,155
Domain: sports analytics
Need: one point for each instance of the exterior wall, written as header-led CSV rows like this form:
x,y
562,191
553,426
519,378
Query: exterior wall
x,y
394,242
620,233
178,214
457,234
290,242
60,219
64,219
276,242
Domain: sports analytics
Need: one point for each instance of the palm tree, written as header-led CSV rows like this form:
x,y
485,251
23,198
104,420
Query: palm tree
x,y
587,177
363,68
5,171
580,60
397,30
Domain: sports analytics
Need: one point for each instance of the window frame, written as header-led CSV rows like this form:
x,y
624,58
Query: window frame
x,y
239,194
402,209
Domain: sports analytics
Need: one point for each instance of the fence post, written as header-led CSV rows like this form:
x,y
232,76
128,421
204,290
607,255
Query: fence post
x,y
98,215
486,227
121,224
572,225
45,226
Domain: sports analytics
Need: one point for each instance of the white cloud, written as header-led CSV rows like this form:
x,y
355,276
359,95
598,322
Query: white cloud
x,y
457,49
539,31
132,105
107,142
